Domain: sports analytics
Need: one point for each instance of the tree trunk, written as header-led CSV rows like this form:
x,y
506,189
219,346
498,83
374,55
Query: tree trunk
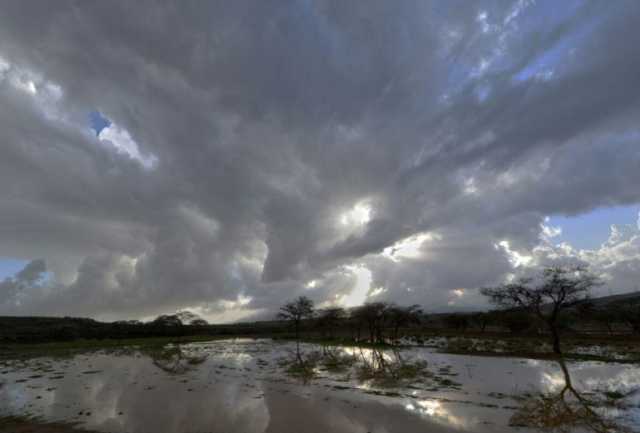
x,y
609,328
298,341
555,337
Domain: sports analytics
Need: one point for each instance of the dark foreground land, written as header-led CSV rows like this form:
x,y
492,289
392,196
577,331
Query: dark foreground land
x,y
15,424
582,340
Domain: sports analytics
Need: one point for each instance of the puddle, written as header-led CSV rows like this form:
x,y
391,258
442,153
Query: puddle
x,y
251,386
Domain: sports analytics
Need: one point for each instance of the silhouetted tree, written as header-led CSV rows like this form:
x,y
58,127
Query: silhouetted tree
x,y
606,315
457,321
167,320
482,319
295,312
515,321
373,316
557,289
403,316
630,314
329,319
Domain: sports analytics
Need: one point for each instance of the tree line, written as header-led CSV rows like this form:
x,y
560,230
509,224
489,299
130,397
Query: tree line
x,y
550,303
373,322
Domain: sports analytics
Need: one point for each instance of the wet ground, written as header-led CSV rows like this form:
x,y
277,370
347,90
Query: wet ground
x,y
265,386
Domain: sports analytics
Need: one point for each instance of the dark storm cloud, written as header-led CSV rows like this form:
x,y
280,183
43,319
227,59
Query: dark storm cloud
x,y
243,132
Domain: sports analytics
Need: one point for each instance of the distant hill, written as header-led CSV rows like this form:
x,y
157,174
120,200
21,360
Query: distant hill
x,y
605,301
614,299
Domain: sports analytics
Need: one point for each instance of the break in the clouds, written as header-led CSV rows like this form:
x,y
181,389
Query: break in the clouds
x,y
224,157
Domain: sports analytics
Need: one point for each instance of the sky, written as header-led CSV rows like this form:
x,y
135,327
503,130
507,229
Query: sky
x,y
226,157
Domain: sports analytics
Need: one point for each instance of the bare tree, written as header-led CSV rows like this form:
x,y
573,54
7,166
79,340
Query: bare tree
x,y
403,316
482,319
607,315
458,321
329,318
295,312
373,316
630,314
557,289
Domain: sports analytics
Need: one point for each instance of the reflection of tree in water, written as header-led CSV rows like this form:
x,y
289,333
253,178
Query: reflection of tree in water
x,y
174,360
335,360
566,411
388,368
383,368
301,365
305,365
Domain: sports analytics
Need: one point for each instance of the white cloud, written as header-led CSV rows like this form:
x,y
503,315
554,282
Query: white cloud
x,y
516,258
549,231
409,248
121,140
240,174
358,215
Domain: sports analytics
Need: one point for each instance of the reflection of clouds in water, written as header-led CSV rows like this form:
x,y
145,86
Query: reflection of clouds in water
x,y
370,355
425,407
15,397
170,407
227,392
101,393
237,358
436,411
588,376
130,394
552,382
627,380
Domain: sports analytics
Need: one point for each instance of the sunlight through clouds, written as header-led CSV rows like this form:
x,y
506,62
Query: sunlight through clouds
x,y
359,292
409,248
359,215
356,169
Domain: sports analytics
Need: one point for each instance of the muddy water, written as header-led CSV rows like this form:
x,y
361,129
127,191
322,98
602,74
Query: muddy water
x,y
254,386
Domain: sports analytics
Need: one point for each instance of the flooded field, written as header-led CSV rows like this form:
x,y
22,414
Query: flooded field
x,y
265,386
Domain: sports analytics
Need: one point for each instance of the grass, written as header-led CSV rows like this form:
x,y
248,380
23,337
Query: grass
x,y
67,348
499,344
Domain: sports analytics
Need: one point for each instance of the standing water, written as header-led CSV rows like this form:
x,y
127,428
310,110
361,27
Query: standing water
x,y
245,385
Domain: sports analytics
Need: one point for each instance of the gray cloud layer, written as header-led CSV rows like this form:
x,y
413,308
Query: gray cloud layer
x,y
245,132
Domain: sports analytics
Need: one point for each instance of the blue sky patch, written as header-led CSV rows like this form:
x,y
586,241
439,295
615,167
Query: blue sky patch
x,y
590,230
98,122
9,267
